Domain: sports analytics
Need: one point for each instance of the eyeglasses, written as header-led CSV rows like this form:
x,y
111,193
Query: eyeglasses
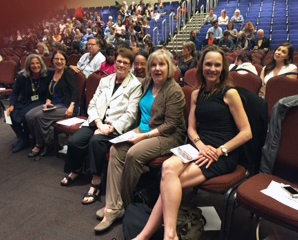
x,y
59,59
119,62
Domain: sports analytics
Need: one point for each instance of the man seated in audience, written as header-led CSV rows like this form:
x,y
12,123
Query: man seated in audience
x,y
211,18
110,37
118,40
88,35
226,44
193,38
216,29
91,61
262,42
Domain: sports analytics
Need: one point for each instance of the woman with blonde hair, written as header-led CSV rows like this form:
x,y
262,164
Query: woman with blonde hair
x,y
249,31
42,49
223,19
189,58
161,127
217,127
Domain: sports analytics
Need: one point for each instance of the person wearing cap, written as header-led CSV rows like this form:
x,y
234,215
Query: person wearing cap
x,y
216,29
237,18
226,44
211,18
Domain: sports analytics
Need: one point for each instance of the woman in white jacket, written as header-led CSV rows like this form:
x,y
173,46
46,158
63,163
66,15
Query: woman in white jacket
x,y
112,111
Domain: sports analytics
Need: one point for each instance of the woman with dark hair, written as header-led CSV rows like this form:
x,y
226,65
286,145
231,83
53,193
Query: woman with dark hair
x,y
161,128
281,62
111,112
62,97
233,31
140,65
29,91
133,41
149,47
142,34
243,61
217,127
189,58
108,67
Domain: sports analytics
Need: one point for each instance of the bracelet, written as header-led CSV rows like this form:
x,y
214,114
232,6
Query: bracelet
x,y
196,140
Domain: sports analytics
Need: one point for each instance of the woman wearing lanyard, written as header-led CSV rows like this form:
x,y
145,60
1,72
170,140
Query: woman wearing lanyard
x,y
62,94
29,91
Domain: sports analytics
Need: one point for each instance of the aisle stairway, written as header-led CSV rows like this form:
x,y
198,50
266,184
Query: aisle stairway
x,y
195,23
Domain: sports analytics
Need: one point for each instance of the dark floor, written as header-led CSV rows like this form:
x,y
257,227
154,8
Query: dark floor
x,y
33,205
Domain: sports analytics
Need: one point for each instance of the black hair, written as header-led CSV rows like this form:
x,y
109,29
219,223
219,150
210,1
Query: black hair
x,y
143,53
62,53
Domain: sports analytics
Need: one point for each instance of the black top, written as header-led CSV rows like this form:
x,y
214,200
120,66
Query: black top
x,y
22,90
67,86
184,66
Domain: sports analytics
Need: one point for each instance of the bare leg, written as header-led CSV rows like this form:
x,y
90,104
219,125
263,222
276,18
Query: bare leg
x,y
95,181
154,221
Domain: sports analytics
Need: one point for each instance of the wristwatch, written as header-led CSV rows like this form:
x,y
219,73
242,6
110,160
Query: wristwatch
x,y
224,150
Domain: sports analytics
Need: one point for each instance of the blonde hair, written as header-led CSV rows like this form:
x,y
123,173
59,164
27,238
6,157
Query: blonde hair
x,y
163,56
191,47
44,46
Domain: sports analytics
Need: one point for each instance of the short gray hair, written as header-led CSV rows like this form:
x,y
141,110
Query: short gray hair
x,y
261,30
164,56
27,69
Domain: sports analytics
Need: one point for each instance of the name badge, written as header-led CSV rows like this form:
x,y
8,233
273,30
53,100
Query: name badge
x,y
34,98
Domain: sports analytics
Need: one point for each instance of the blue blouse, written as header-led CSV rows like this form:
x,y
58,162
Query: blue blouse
x,y
146,104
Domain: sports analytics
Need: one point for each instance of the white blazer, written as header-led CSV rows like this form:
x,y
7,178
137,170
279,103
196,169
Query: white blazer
x,y
119,109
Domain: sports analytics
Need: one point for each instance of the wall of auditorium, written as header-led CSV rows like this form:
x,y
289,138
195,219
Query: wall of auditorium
x,y
99,3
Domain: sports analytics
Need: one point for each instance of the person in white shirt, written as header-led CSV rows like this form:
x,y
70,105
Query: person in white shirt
x,y
217,31
243,61
223,19
91,61
211,18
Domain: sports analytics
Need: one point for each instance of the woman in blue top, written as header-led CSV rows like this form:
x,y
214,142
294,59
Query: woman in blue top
x,y
63,93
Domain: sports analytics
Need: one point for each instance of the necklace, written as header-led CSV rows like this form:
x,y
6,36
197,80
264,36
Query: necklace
x,y
155,90
207,94
51,87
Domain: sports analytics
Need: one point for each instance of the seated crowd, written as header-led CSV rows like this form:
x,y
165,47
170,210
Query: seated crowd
x,y
136,74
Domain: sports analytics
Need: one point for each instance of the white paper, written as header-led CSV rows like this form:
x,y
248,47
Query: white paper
x,y
124,137
276,191
7,118
2,88
187,153
71,121
213,222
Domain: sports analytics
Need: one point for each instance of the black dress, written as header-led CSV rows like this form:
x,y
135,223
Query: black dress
x,y
216,126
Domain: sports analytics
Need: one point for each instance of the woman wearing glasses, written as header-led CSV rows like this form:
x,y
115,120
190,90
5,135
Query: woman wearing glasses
x,y
112,111
161,127
62,94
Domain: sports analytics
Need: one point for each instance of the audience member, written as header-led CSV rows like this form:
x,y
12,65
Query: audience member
x,y
237,18
42,49
216,29
218,145
112,111
161,128
261,42
193,38
149,47
243,61
91,61
189,58
29,91
211,40
140,65
211,18
233,32
249,31
223,19
110,36
281,62
242,43
108,67
226,44
63,93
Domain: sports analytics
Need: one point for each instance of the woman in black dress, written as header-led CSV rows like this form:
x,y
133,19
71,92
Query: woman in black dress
x,y
218,126
29,91
189,59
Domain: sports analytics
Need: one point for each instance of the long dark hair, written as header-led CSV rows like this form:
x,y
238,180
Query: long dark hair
x,y
224,76
272,64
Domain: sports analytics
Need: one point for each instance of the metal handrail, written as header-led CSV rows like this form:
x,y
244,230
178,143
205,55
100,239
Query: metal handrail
x,y
207,6
155,35
171,19
164,30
